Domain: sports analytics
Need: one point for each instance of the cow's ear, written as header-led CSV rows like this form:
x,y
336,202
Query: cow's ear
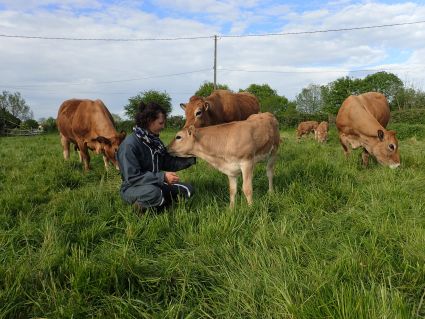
x,y
381,135
183,106
206,105
122,135
102,140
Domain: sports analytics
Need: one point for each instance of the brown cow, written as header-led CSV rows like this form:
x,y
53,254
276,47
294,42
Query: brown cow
x,y
89,125
221,106
233,148
361,122
305,128
321,133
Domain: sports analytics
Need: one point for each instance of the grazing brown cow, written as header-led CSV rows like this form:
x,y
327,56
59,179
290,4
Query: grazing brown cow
x,y
89,125
305,128
361,122
321,133
221,106
232,148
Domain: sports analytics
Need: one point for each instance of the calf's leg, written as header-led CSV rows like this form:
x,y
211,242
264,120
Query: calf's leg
x,y
247,172
271,163
233,187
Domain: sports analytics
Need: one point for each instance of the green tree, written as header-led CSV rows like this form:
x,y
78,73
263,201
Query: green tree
x,y
162,98
207,88
29,124
269,100
309,100
15,104
49,124
337,91
386,83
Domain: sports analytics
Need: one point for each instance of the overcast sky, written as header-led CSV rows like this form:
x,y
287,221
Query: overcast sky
x,y
46,72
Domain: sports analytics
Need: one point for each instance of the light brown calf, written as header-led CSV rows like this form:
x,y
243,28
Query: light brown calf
x,y
305,128
233,148
321,133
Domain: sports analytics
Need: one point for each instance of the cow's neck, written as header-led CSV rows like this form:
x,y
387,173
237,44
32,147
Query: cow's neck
x,y
206,147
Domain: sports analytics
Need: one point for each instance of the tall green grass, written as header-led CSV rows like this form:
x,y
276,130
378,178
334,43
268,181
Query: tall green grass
x,y
335,240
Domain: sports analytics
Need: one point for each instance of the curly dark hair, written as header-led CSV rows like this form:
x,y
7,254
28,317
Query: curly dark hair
x,y
147,113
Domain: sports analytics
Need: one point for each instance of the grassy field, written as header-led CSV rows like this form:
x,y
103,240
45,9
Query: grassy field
x,y
335,240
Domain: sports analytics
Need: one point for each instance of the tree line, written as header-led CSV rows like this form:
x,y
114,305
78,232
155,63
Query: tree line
x,y
313,102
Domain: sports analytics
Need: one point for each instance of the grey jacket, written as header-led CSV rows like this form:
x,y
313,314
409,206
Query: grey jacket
x,y
141,165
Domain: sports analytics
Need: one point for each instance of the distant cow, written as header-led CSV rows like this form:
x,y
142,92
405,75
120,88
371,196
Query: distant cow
x,y
321,133
232,148
221,106
305,128
361,122
89,125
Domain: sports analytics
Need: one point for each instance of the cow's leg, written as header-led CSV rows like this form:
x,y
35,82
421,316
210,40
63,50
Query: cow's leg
x,y
65,145
345,145
233,187
270,170
247,172
106,161
84,155
365,157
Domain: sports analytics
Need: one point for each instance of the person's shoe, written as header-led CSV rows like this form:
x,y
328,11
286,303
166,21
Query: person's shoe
x,y
139,209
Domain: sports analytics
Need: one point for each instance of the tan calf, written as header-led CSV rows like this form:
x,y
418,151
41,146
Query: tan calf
x,y
305,128
233,148
321,133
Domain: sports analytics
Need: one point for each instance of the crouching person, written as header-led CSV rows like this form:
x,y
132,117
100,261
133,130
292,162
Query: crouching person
x,y
147,170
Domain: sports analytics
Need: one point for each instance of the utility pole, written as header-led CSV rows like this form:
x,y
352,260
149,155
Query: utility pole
x,y
215,62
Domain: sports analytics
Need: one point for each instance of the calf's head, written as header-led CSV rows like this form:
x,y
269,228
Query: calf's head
x,y
109,146
386,148
196,112
183,143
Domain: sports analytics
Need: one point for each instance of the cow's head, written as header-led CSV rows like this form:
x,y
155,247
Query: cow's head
x,y
196,112
183,143
109,146
386,148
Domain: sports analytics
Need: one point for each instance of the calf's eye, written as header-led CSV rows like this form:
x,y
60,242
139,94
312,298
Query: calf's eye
x,y
198,113
391,147
178,137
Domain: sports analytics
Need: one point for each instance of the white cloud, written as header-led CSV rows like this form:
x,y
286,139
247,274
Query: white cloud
x,y
47,72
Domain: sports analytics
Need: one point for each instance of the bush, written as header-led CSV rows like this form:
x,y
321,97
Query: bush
x,y
408,130
292,119
410,116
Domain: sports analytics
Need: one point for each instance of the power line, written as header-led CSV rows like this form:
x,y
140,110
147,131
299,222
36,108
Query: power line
x,y
321,71
27,37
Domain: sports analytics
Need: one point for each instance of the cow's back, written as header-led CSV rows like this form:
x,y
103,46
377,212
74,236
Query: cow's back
x,y
363,114
233,106
84,118
255,136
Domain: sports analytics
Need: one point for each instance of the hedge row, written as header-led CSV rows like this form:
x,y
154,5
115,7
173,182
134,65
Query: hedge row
x,y
410,116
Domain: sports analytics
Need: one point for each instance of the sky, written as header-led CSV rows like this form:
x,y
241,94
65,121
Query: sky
x,y
51,51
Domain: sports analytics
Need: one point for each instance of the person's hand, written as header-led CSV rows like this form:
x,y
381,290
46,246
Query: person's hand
x,y
171,177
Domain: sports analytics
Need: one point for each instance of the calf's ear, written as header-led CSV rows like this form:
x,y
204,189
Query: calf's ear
x,y
183,106
206,105
381,135
191,130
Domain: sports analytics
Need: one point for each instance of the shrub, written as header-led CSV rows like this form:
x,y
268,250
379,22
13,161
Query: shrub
x,y
410,116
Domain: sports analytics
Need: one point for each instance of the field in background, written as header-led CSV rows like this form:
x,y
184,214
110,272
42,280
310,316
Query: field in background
x,y
334,241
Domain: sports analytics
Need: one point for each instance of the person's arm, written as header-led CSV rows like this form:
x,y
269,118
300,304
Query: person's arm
x,y
130,168
174,163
